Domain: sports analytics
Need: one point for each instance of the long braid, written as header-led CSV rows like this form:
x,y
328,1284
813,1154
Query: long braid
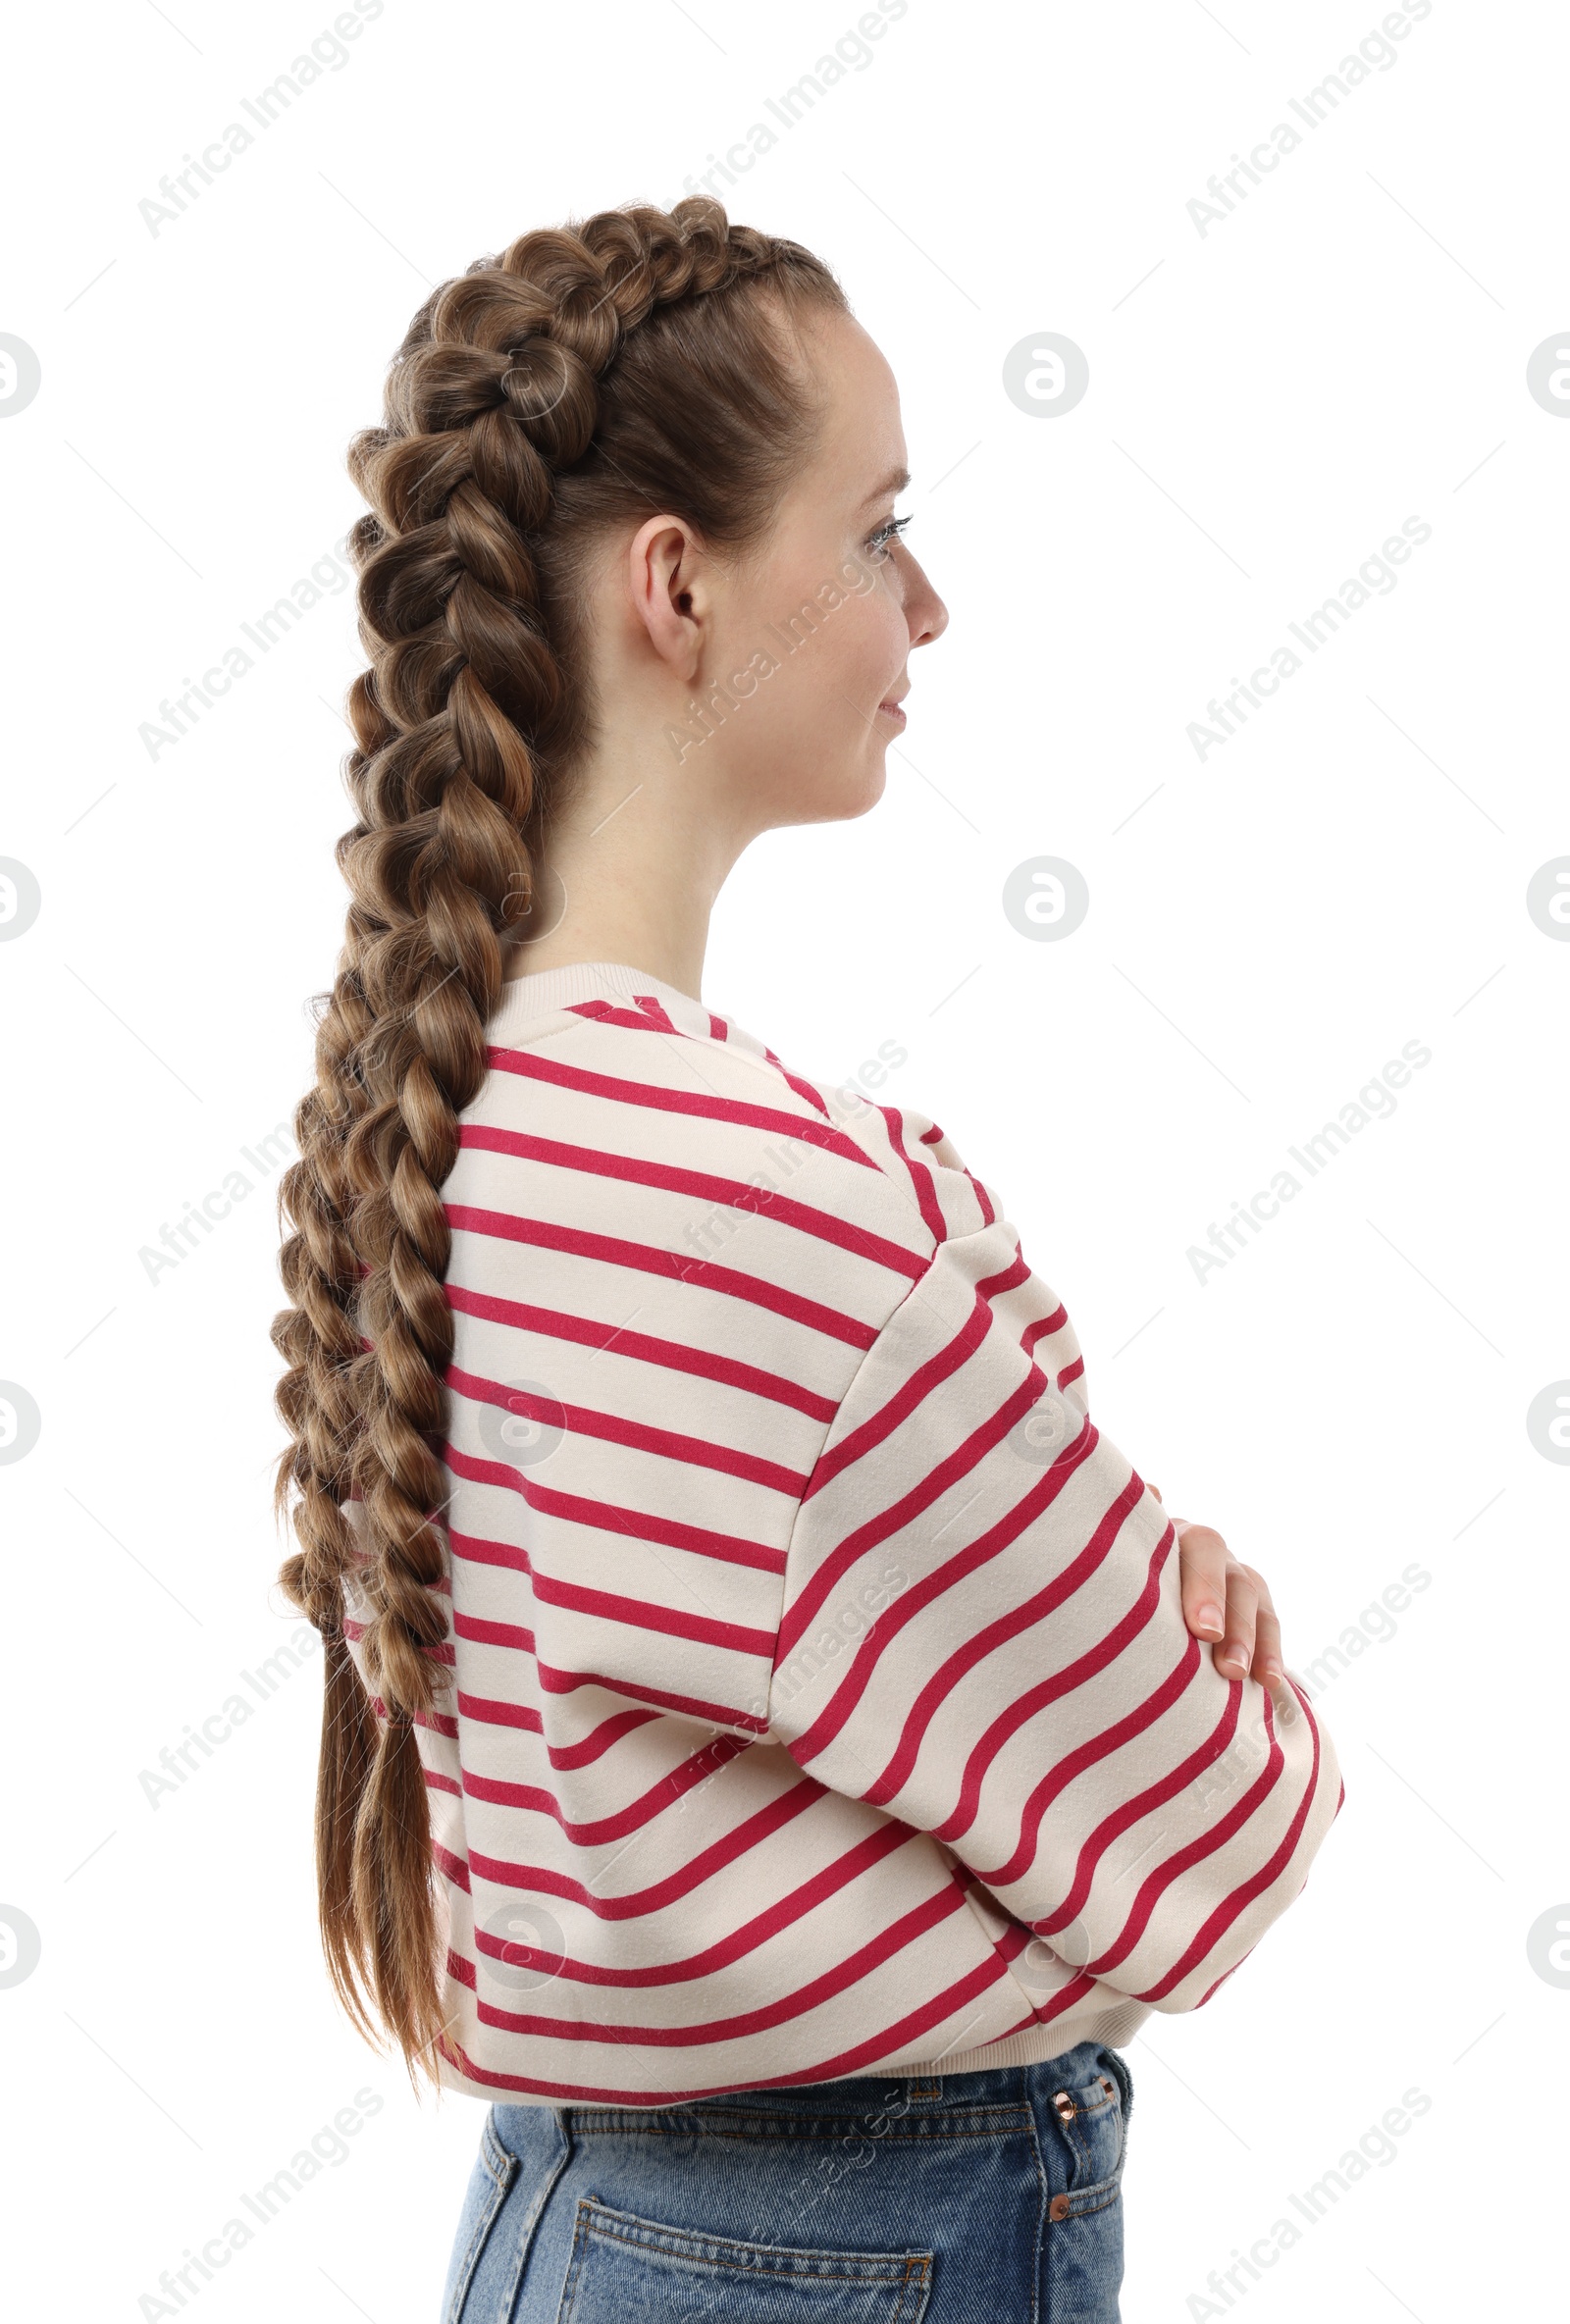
x,y
505,442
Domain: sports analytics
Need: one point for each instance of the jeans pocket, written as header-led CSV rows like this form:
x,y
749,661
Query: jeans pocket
x,y
624,2267
1084,2254
493,2175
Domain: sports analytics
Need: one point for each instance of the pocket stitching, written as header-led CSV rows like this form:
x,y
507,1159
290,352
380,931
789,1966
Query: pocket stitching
x,y
483,2225
497,2160
762,2127
528,2226
1109,2191
597,2219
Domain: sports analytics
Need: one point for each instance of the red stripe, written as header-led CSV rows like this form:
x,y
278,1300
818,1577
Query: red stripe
x,y
886,1841
482,1632
996,1633
555,1680
1010,1947
1075,1991
478,1551
920,1496
647,1011
687,1706
1009,1280
735,1193
643,1346
1098,1747
894,2038
1221,1919
1043,1328
1171,1868
704,1275
605,1013
607,1516
644,1614
917,1386
988,1215
852,1969
542,1880
670,1790
534,1065
1130,1812
920,1177
667,1444
583,1753
912,1391
487,1713
937,1584
814,1097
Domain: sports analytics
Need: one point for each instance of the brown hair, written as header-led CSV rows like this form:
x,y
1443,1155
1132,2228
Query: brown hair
x,y
625,366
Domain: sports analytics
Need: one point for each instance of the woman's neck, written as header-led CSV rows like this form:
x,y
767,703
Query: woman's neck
x,y
629,874
633,932
636,854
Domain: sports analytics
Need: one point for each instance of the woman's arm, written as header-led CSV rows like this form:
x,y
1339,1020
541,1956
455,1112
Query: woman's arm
x,y
1032,1696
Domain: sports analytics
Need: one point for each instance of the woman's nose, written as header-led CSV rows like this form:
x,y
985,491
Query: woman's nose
x,y
924,610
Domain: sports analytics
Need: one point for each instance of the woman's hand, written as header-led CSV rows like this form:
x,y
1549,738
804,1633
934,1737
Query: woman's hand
x,y
1227,1603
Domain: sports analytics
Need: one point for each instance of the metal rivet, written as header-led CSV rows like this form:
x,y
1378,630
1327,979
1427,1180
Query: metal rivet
x,y
1063,2106
1058,2208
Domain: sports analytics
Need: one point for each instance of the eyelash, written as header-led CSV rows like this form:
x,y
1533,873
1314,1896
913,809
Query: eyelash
x,y
886,533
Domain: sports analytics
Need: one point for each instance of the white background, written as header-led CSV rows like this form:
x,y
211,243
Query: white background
x,y
1347,1396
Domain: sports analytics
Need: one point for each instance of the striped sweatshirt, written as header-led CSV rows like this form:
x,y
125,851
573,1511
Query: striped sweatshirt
x,y
816,1699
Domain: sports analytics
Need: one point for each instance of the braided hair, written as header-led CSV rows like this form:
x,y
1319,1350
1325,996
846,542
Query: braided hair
x,y
628,365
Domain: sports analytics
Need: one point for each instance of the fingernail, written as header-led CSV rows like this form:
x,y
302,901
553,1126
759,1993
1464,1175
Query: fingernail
x,y
1208,1619
1234,1661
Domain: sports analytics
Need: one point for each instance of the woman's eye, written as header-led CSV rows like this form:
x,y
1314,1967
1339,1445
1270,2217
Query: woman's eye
x,y
878,545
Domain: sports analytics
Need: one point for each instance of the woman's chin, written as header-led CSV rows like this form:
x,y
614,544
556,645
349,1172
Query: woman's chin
x,y
864,787
838,796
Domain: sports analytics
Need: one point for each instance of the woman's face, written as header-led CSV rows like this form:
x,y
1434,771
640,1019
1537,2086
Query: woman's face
x,y
806,653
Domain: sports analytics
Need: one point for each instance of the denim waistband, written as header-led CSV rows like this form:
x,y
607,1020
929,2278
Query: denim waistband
x,y
869,2097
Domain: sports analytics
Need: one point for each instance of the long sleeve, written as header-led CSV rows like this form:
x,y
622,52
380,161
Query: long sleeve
x,y
1027,1692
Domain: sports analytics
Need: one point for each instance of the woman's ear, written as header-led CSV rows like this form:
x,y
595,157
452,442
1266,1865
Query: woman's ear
x,y
666,577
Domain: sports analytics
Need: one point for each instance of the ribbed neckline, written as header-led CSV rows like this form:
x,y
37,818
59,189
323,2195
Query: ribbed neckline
x,y
551,989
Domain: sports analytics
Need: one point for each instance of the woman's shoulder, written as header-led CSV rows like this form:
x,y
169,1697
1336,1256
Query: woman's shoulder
x,y
692,1091
669,1186
645,1129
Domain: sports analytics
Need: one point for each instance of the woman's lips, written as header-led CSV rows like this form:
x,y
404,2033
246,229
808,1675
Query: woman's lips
x,y
892,710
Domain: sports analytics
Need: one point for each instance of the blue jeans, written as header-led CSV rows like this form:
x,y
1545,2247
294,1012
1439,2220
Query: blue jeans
x,y
965,2199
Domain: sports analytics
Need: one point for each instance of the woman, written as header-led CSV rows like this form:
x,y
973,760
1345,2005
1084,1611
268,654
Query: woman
x,y
768,1751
